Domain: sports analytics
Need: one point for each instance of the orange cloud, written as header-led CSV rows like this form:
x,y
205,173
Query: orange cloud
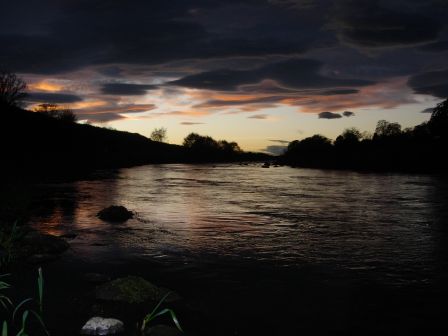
x,y
46,86
386,95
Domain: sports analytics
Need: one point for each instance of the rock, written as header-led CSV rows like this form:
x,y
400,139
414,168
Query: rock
x,y
132,289
102,326
36,243
115,213
266,165
163,330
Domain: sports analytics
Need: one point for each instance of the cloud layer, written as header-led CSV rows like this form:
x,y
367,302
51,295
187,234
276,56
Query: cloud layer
x,y
191,58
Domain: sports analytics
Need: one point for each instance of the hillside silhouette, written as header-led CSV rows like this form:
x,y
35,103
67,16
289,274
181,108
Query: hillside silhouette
x,y
39,145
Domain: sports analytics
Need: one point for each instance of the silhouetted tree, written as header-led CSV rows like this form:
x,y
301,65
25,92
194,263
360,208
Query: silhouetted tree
x,y
57,112
350,137
229,147
311,151
159,134
386,129
12,89
438,123
205,148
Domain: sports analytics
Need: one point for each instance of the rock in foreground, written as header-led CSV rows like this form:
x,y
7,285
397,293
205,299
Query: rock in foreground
x,y
115,213
132,289
102,326
38,247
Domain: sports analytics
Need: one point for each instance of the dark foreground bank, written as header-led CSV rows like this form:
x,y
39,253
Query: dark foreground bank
x,y
36,146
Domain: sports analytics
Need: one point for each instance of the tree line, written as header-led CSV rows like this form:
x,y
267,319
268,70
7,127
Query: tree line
x,y
418,148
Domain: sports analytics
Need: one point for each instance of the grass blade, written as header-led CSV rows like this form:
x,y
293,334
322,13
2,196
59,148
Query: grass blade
x,y
40,286
5,329
41,321
173,317
19,306
24,318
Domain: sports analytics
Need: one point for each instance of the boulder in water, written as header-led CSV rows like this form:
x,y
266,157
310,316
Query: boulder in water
x,y
115,213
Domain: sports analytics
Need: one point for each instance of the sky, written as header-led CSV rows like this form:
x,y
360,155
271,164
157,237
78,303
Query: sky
x,y
258,72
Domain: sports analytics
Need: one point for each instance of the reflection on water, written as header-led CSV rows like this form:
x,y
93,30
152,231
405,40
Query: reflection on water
x,y
384,226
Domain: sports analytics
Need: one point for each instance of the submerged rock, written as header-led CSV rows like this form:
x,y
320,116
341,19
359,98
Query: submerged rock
x,y
41,246
132,289
102,326
115,213
163,330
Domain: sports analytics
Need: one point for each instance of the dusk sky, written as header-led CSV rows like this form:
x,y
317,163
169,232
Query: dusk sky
x,y
261,73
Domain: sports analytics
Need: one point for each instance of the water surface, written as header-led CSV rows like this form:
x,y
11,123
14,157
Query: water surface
x,y
236,227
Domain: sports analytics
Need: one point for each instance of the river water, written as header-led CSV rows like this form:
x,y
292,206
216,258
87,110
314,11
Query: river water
x,y
344,252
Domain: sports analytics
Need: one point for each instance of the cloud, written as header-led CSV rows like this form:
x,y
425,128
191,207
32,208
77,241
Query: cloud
x,y
339,92
238,101
99,118
105,111
139,32
384,95
259,116
275,149
369,25
329,115
54,98
280,141
428,110
348,114
433,83
296,73
188,123
435,47
125,89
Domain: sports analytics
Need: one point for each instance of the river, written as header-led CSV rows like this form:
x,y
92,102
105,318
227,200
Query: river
x,y
318,251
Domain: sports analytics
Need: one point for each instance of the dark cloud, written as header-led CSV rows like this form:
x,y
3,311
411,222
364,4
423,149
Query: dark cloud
x,y
69,35
348,114
228,45
125,89
237,102
55,98
259,116
329,115
438,46
275,149
371,24
99,118
428,110
339,92
190,123
432,83
280,141
293,73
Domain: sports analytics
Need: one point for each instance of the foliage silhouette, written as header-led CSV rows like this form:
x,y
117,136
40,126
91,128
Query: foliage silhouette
x,y
12,89
391,148
158,134
206,149
57,112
